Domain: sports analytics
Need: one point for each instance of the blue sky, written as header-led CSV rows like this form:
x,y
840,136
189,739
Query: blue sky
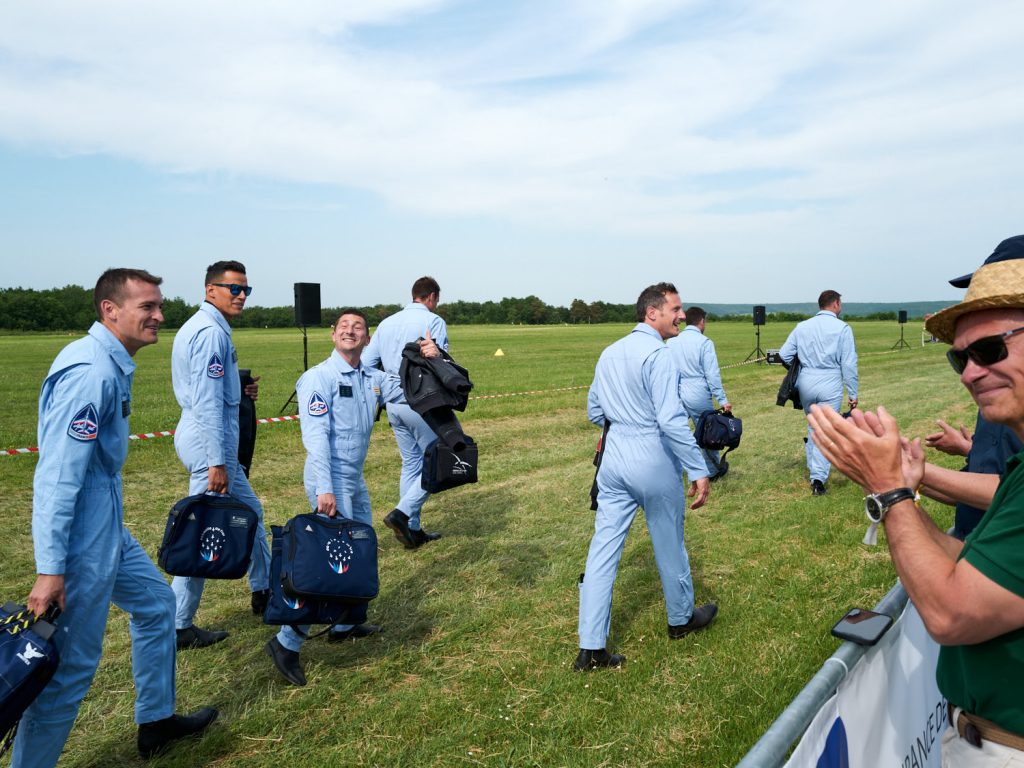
x,y
751,152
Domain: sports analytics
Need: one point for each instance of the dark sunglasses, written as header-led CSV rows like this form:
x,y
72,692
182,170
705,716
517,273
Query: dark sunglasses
x,y
986,351
235,288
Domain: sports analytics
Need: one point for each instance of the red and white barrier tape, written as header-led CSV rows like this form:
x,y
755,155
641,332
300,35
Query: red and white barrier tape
x,y
276,419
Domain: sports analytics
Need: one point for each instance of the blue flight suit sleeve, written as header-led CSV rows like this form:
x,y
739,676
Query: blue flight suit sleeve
x,y
788,350
848,361
63,460
208,390
371,355
712,375
661,379
390,388
439,332
594,411
315,422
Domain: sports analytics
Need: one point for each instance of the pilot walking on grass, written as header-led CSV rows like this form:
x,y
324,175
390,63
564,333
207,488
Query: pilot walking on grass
x,y
85,558
204,369
647,447
337,402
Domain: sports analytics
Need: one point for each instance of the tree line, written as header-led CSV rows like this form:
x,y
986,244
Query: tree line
x,y
70,309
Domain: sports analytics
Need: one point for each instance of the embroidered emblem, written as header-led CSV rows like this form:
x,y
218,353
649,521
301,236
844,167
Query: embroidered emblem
x,y
317,405
215,368
85,425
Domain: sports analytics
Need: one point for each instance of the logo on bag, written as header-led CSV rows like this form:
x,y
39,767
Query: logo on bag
x,y
339,554
295,603
317,405
215,368
85,425
461,467
237,521
211,543
29,653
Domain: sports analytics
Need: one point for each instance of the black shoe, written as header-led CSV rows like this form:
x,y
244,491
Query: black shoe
x,y
590,660
260,600
817,488
154,736
287,662
194,637
398,522
702,617
359,630
421,537
723,470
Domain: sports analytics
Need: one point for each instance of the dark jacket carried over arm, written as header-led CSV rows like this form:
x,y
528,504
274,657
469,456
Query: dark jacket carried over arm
x,y
788,391
435,387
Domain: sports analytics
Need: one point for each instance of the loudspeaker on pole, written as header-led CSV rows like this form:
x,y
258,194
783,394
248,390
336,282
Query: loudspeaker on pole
x,y
902,317
307,304
759,314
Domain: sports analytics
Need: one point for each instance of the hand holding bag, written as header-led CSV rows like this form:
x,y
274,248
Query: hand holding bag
x,y
208,536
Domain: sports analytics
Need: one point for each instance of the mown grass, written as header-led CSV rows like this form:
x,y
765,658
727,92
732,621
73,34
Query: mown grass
x,y
474,665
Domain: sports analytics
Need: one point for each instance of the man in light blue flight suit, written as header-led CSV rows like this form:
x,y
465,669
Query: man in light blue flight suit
x,y
337,402
411,432
646,449
204,369
828,360
699,379
85,557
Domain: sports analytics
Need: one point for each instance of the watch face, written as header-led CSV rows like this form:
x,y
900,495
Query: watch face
x,y
873,509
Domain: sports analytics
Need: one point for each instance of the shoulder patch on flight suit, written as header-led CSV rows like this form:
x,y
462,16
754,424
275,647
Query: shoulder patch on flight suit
x,y
85,425
215,368
344,390
317,406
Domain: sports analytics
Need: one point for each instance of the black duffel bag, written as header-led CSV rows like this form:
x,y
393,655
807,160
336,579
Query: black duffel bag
x,y
329,558
716,430
445,468
209,536
28,659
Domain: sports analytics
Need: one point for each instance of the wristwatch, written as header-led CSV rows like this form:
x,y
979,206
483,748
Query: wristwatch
x,y
876,505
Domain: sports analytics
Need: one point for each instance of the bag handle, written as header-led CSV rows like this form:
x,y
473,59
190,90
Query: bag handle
x,y
24,619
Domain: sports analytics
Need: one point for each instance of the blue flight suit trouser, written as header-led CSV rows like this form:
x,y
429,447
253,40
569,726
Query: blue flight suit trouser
x,y
291,637
413,437
637,470
825,388
696,402
129,580
188,590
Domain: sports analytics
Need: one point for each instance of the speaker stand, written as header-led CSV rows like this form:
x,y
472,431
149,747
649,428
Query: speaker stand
x,y
305,367
758,353
901,344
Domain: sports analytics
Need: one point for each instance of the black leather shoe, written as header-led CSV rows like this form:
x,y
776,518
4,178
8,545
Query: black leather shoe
x,y
398,522
359,630
260,600
287,662
702,617
195,637
153,737
723,470
421,537
590,660
817,488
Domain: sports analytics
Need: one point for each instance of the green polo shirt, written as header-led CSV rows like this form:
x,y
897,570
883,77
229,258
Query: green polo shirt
x,y
987,679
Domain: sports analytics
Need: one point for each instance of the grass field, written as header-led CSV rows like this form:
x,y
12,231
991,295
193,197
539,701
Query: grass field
x,y
474,667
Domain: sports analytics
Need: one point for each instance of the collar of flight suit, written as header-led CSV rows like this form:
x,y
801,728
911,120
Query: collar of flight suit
x,y
645,328
113,346
341,364
828,312
218,318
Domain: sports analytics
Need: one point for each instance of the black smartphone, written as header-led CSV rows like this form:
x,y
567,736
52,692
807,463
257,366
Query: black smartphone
x,y
862,626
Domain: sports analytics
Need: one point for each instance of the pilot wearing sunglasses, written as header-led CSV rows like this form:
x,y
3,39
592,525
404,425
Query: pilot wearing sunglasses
x,y
204,369
970,593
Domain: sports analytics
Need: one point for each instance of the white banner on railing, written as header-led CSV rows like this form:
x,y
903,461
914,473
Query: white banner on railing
x,y
887,712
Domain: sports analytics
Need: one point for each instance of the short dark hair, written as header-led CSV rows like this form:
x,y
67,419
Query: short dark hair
x,y
652,296
694,315
216,271
351,311
827,297
424,287
111,285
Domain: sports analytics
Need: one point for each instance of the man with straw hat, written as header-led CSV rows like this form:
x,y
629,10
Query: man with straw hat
x,y
969,594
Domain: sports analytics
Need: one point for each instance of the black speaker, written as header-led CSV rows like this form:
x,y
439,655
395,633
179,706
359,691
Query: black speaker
x,y
307,304
903,316
759,315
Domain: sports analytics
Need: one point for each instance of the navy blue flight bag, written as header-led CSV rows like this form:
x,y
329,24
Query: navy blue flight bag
x,y
329,558
208,536
284,609
716,430
28,659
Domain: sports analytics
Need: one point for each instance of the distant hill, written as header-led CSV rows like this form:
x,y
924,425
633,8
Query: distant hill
x,y
915,309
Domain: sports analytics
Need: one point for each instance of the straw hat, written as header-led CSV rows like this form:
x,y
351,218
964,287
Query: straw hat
x,y
999,285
